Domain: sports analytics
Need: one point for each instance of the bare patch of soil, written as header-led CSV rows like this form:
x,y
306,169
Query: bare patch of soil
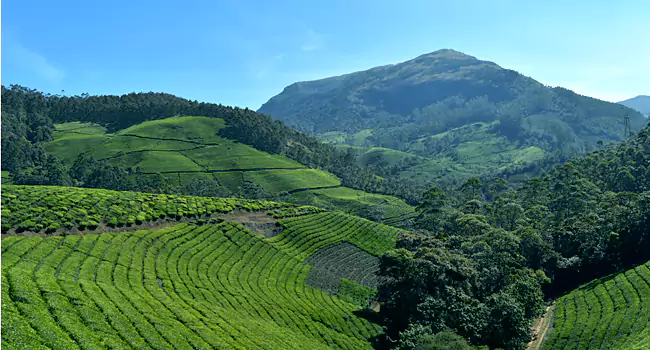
x,y
257,222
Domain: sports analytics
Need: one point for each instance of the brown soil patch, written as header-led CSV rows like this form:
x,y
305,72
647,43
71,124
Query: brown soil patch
x,y
257,222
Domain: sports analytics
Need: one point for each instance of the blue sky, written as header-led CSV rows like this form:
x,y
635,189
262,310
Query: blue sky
x,y
242,53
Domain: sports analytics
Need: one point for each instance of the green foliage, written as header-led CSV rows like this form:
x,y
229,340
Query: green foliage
x,y
612,312
344,261
275,181
213,286
354,293
25,124
490,250
272,144
418,337
468,283
49,208
209,286
376,207
323,229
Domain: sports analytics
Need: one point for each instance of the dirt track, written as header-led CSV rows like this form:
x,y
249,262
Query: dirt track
x,y
541,328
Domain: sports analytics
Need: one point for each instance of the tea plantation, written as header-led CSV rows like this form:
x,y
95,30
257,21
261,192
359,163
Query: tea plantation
x,y
188,148
192,285
608,313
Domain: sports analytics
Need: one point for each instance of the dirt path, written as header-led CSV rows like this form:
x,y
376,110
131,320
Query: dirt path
x,y
541,328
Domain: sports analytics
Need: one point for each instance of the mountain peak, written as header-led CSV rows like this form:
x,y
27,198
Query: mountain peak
x,y
451,53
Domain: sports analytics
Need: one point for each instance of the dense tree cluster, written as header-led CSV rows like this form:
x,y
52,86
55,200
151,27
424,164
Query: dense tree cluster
x,y
25,125
486,251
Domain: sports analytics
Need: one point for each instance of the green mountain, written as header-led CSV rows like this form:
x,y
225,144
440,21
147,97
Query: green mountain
x,y
641,103
460,116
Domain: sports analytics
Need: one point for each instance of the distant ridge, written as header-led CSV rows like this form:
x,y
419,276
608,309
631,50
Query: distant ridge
x,y
641,103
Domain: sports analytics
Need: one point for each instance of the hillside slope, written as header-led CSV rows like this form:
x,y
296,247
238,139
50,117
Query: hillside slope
x,y
641,103
609,313
140,142
412,106
188,151
210,282
186,148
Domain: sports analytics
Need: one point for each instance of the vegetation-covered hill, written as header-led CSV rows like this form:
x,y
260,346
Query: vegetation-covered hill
x,y
443,107
608,313
185,149
138,142
641,103
210,282
29,117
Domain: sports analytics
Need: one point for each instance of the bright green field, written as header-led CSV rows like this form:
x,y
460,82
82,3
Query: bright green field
x,y
181,287
478,150
393,211
184,147
238,156
388,155
609,313
289,180
6,177
188,148
202,130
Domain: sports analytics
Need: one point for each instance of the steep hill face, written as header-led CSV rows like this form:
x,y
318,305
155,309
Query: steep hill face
x,y
442,106
641,103
386,96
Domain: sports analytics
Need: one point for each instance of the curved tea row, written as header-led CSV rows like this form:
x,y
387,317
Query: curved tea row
x,y
609,313
53,209
185,287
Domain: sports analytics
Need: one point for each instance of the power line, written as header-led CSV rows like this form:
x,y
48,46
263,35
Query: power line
x,y
628,127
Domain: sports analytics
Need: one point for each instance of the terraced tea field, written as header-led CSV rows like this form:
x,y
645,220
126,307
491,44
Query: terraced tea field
x,y
184,286
392,210
187,148
608,313
52,209
184,148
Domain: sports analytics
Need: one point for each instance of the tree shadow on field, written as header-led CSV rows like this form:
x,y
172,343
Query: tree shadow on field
x,y
379,341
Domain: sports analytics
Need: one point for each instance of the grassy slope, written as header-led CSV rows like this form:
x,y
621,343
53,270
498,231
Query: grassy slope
x,y
210,286
391,156
478,149
609,313
172,145
186,148
394,211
